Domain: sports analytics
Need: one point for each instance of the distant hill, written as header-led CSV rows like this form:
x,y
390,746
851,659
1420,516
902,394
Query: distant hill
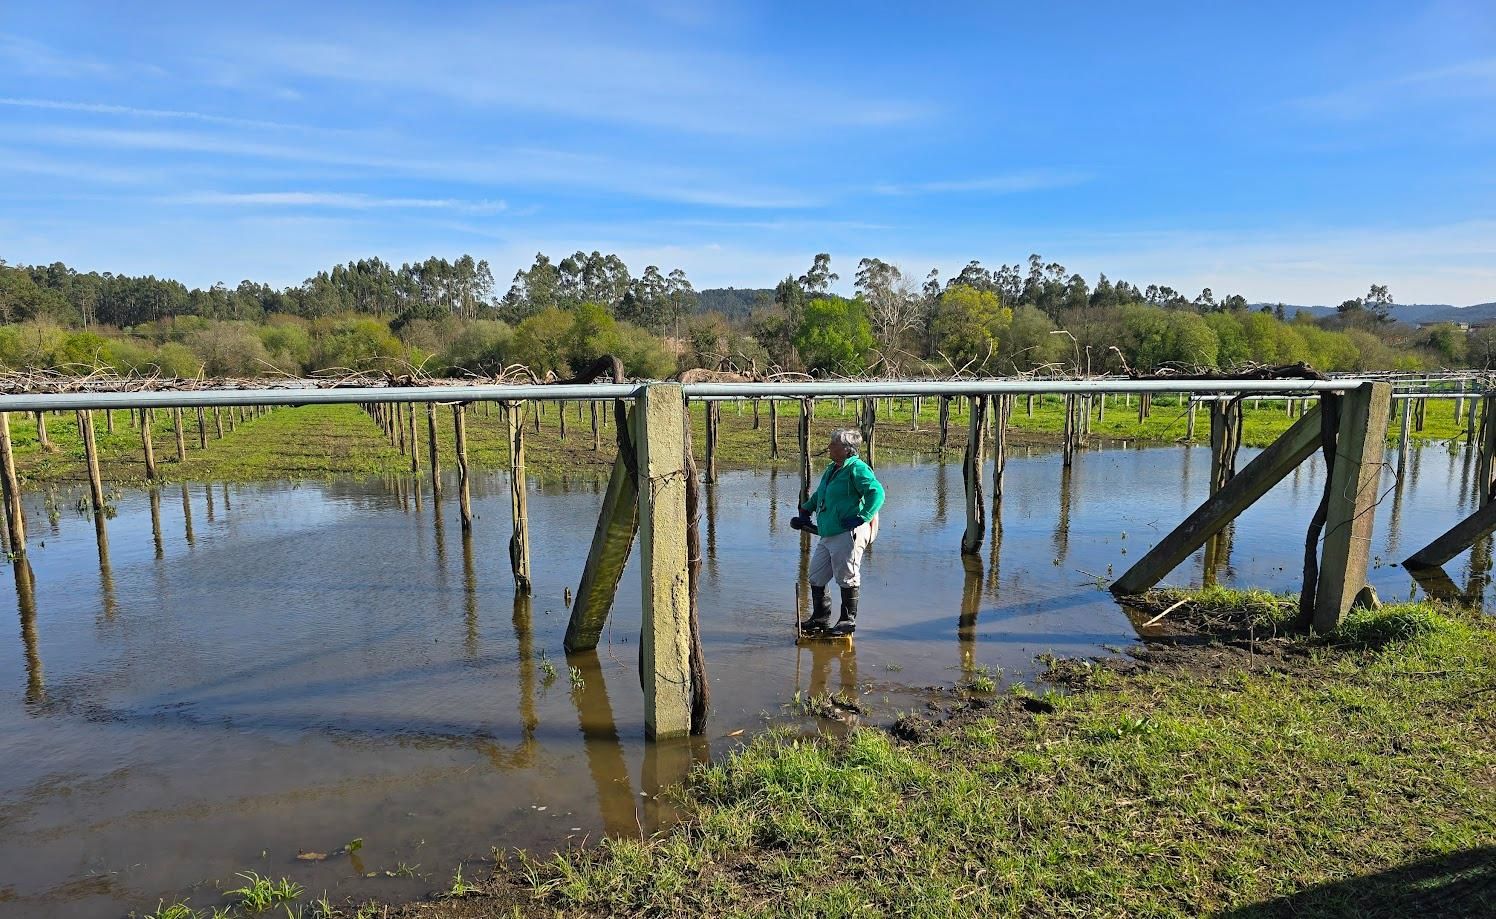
x,y
732,302
1411,313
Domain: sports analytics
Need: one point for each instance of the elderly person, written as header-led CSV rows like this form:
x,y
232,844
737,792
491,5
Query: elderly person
x,y
845,504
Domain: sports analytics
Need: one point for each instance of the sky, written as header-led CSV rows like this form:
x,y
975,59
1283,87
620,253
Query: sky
x,y
1293,152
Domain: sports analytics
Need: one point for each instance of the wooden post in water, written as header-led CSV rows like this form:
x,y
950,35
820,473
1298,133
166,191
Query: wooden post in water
x,y
147,446
807,410
218,422
91,456
612,540
15,519
1002,407
202,430
665,633
945,421
519,542
597,437
410,438
1485,457
971,472
109,420
1189,425
1402,437
1031,405
868,425
431,452
42,439
1067,432
1353,494
773,429
1470,413
561,419
176,428
713,419
755,414
459,443
1418,416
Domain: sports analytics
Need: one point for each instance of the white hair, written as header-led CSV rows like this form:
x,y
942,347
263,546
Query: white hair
x,y
851,438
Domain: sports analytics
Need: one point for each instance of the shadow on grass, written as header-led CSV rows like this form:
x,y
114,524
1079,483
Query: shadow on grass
x,y
1459,884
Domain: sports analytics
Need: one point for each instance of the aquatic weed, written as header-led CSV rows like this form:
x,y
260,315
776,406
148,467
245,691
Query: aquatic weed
x,y
577,680
460,887
259,894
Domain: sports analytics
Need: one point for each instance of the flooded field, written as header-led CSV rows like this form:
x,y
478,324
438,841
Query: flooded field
x,y
236,675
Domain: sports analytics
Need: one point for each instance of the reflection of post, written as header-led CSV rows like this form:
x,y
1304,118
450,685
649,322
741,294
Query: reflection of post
x,y
208,500
524,645
15,518
774,500
187,514
156,522
942,489
605,759
469,589
711,530
802,596
971,606
106,576
666,763
26,605
1062,524
1480,570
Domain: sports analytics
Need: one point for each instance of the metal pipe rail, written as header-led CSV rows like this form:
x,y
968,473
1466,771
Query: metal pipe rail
x,y
349,395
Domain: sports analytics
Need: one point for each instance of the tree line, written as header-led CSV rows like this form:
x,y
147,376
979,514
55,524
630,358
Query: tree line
x,y
447,317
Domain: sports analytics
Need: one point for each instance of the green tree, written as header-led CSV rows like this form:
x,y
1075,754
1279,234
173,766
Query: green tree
x,y
968,326
834,335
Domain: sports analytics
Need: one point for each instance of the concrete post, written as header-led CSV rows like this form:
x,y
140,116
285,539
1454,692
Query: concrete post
x,y
665,643
1359,449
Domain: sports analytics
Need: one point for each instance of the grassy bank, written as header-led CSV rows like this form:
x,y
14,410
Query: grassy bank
x,y
319,442
1224,769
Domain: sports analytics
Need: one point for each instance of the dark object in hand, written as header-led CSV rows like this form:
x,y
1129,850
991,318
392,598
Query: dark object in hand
x,y
851,523
802,522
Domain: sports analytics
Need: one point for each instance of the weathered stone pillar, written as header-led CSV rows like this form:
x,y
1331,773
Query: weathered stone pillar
x,y
665,642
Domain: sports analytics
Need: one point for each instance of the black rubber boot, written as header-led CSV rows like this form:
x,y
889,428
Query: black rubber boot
x,y
847,624
820,613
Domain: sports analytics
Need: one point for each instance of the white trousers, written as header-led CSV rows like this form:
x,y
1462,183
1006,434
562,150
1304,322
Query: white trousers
x,y
840,556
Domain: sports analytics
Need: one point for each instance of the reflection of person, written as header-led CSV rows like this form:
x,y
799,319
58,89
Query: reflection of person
x,y
846,504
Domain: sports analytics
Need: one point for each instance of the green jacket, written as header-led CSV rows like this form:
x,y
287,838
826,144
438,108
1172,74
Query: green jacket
x,y
848,490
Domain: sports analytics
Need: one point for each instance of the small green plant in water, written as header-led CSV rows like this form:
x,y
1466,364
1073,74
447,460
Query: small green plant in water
x,y
577,680
259,893
460,887
174,911
547,671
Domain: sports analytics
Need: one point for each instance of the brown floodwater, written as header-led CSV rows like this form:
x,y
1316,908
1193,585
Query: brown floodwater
x,y
219,678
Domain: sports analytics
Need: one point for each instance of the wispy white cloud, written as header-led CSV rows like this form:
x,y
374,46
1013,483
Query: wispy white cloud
x,y
332,200
511,167
1471,79
31,57
103,108
590,71
1010,183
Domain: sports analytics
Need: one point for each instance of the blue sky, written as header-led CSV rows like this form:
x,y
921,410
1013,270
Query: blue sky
x,y
1286,151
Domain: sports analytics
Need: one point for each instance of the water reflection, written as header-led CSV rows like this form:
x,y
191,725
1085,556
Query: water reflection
x,y
156,539
1061,537
26,606
187,516
604,748
971,606
106,571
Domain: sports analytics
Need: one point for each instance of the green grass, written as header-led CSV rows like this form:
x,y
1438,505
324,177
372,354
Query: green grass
x,y
323,442
1171,792
260,893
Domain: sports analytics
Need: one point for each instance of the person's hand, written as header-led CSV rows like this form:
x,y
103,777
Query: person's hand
x,y
851,523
